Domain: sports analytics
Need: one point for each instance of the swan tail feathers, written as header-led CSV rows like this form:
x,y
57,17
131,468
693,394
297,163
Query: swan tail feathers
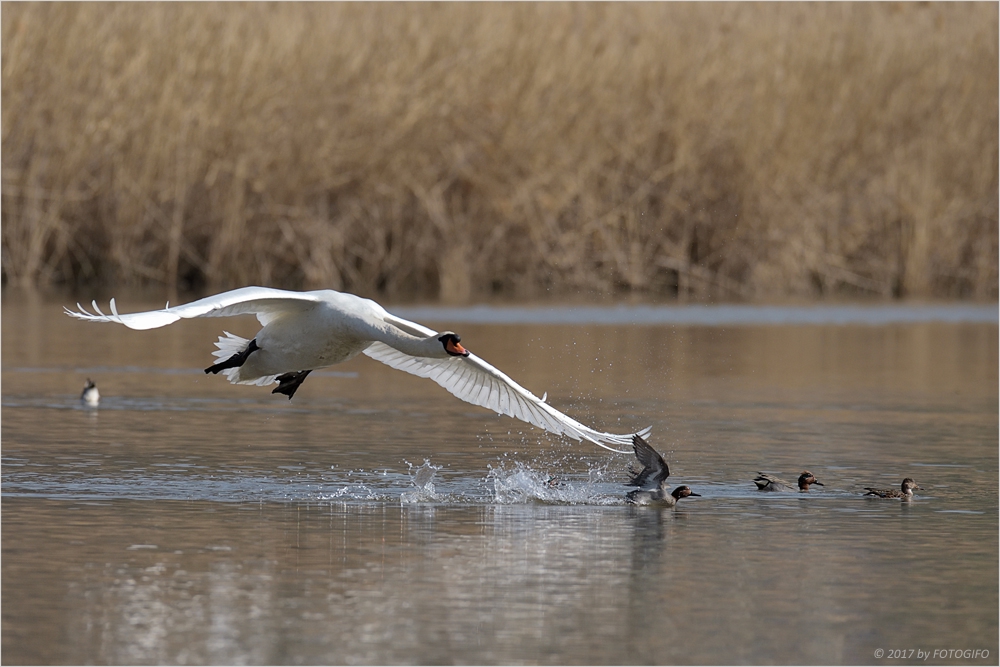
x,y
229,344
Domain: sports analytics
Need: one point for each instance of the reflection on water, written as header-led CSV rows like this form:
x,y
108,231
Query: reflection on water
x,y
376,519
390,583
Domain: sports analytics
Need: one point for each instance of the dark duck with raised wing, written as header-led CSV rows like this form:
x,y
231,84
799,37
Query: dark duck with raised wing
x,y
652,479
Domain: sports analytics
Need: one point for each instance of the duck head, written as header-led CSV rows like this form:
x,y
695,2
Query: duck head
x,y
683,492
807,478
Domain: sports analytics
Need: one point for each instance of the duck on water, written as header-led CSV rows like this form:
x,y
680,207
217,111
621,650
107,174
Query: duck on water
x,y
303,331
767,482
905,490
90,395
652,479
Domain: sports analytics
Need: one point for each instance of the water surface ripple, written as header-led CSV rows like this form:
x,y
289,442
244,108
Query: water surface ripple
x,y
375,519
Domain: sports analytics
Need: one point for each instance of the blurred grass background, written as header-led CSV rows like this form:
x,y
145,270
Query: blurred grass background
x,y
461,151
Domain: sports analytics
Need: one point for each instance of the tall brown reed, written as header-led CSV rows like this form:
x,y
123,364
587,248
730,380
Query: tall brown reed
x,y
458,150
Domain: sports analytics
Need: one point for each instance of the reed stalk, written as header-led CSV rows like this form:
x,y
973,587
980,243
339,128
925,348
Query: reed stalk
x,y
454,151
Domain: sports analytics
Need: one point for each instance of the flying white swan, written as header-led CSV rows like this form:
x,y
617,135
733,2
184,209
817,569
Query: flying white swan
x,y
303,331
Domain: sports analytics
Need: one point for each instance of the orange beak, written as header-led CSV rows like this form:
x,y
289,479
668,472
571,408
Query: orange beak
x,y
456,348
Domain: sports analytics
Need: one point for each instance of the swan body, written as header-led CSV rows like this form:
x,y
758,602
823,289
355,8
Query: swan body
x,y
302,331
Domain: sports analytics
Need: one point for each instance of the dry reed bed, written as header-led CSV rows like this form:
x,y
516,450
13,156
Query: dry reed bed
x,y
457,150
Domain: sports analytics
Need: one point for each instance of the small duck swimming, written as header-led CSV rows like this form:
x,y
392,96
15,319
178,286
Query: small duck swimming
x,y
90,395
659,496
767,482
905,490
652,479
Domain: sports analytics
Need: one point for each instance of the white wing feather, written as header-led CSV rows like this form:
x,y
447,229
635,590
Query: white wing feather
x,y
468,378
264,302
475,381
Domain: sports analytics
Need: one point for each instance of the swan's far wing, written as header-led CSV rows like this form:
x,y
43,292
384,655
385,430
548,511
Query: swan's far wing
x,y
475,381
264,302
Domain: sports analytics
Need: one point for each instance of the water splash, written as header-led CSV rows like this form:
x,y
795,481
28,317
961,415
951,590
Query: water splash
x,y
423,484
525,484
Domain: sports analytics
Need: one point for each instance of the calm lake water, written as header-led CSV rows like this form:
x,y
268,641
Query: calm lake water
x,y
188,521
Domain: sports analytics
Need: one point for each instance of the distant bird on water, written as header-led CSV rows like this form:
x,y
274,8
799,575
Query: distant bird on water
x,y
905,490
652,479
90,395
303,331
767,482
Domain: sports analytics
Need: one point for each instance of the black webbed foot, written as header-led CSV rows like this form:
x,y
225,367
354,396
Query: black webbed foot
x,y
289,382
234,361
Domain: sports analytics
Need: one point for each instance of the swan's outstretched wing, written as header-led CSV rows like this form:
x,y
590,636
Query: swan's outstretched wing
x,y
472,379
264,302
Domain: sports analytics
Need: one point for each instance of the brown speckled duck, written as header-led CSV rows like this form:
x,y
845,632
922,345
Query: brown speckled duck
x,y
905,490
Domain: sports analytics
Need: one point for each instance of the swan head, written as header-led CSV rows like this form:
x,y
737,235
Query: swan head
x,y
450,340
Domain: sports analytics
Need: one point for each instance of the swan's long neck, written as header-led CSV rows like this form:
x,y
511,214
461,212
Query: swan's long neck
x,y
412,345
